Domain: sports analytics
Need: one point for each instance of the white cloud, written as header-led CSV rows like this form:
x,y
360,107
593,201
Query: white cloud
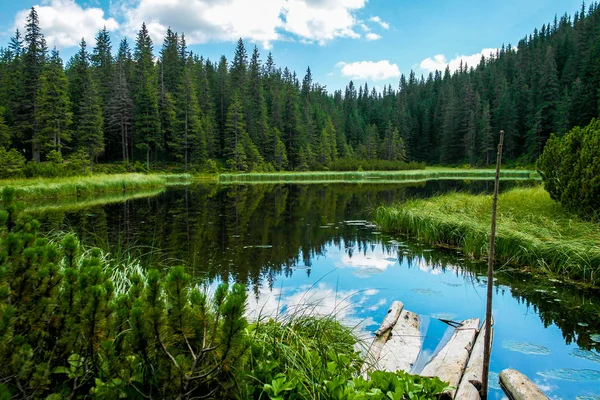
x,y
439,61
263,21
378,20
64,22
373,36
375,71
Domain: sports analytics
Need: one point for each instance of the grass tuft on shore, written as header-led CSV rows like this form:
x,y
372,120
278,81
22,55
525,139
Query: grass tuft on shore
x,y
81,186
374,176
533,230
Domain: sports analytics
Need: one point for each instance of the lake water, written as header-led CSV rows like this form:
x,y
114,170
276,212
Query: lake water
x,y
312,248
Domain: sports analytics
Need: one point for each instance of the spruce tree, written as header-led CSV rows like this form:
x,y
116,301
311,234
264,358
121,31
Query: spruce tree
x,y
88,120
119,124
34,59
53,111
146,119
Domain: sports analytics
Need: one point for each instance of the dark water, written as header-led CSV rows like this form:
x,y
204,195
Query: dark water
x,y
311,247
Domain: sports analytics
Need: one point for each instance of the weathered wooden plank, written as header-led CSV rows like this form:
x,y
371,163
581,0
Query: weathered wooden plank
x,y
470,384
518,387
450,362
402,349
382,334
390,319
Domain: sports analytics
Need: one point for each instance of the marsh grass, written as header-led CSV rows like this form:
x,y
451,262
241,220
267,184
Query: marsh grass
x,y
73,204
375,176
533,230
81,186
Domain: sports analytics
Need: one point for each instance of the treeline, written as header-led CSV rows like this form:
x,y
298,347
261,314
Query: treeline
x,y
249,115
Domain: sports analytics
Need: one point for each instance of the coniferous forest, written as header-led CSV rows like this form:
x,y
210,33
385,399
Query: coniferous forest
x,y
118,102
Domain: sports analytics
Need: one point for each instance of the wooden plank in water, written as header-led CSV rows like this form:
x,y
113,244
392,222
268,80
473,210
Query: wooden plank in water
x,y
383,333
470,384
518,387
450,362
402,349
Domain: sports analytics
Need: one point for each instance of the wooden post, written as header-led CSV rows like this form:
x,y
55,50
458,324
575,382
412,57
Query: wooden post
x,y
490,277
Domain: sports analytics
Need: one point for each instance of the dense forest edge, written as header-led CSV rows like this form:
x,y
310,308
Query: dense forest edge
x,y
247,115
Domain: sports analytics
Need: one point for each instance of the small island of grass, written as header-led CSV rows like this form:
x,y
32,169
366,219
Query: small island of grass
x,y
533,230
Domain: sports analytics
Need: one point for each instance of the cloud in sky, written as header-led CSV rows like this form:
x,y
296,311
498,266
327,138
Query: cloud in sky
x,y
263,21
373,36
378,20
376,71
439,61
64,22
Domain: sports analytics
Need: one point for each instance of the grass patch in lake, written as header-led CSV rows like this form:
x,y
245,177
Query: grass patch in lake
x,y
376,176
37,188
533,230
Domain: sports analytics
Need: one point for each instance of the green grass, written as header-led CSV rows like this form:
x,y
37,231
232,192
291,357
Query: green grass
x,y
81,186
533,230
375,176
72,204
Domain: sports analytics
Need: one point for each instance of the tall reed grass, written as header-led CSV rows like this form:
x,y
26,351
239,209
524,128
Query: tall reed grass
x,y
375,176
81,186
533,230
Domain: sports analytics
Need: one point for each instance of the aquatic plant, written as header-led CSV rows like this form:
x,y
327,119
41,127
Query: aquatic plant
x,y
533,230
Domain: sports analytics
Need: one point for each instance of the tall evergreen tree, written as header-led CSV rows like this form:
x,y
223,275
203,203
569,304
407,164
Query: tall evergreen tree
x,y
34,59
147,126
53,111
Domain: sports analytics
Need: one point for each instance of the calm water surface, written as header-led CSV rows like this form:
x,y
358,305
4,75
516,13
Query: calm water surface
x,y
312,247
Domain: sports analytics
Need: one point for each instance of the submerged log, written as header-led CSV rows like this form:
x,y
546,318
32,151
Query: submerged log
x,y
470,384
402,349
450,362
518,387
383,333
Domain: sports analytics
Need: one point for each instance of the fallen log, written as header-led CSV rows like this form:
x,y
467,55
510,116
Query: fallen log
x,y
382,334
470,384
518,387
402,349
450,362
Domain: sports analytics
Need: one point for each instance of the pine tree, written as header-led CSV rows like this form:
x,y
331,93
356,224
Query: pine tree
x,y
392,147
120,106
235,131
33,63
189,136
147,127
102,72
53,111
256,116
88,120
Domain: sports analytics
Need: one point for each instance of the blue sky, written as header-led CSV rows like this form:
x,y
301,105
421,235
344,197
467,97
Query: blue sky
x,y
363,40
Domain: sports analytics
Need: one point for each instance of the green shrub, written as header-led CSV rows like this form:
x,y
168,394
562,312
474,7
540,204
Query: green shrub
x,y
79,163
570,169
12,163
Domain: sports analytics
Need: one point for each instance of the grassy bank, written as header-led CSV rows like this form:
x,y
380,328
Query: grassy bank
x,y
71,204
374,176
533,230
81,186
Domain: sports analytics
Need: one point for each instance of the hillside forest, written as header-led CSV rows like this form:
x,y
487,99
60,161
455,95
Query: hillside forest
x,y
129,101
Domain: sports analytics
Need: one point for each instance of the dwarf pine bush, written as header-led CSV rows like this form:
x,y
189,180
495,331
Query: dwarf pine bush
x,y
65,332
570,168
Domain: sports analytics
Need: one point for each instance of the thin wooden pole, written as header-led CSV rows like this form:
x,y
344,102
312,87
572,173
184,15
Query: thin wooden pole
x,y
487,347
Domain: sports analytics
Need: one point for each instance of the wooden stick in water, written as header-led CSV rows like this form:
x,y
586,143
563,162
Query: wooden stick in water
x,y
490,278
